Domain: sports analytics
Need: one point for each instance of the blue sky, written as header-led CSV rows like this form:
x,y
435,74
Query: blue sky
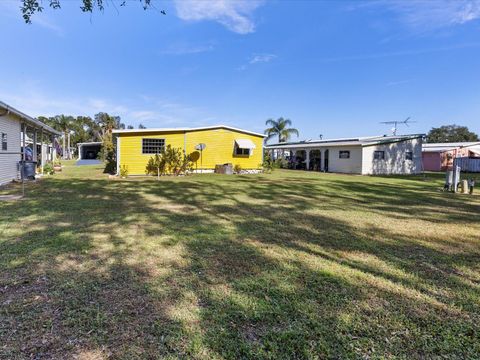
x,y
335,68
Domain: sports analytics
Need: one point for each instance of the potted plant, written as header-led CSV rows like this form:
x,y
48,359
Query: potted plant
x,y
123,171
57,166
48,169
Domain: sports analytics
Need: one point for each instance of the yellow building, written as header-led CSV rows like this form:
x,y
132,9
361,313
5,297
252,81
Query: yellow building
x,y
223,144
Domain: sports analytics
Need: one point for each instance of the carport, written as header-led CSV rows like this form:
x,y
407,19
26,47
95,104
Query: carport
x,y
89,150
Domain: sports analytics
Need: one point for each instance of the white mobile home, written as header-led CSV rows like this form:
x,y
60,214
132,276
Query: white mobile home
x,y
374,155
16,128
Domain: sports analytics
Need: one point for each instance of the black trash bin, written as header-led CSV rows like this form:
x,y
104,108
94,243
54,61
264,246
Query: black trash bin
x,y
28,169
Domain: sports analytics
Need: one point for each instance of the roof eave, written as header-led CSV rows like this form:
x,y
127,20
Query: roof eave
x,y
346,142
310,145
394,140
34,122
90,143
139,131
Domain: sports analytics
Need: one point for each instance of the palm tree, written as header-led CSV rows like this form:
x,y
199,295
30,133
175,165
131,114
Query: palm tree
x,y
280,128
64,124
105,124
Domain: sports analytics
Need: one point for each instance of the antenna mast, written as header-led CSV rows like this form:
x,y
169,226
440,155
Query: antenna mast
x,y
396,123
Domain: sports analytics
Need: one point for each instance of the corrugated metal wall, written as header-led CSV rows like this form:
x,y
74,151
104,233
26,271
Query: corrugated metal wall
x,y
468,164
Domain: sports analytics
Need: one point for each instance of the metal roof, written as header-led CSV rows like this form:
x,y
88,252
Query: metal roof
x,y
441,147
245,143
360,141
90,143
185,129
28,119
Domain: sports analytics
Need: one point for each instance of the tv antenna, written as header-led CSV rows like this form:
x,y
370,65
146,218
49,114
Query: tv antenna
x,y
396,123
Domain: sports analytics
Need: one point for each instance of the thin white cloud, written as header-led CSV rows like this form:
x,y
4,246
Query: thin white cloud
x,y
148,110
262,58
235,15
399,53
257,59
143,115
186,49
11,9
427,15
98,105
44,22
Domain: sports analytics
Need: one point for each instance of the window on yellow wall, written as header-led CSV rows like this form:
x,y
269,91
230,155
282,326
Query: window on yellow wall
x,y
152,146
241,151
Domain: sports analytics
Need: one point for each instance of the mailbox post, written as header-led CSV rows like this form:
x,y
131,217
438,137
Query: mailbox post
x,y
200,147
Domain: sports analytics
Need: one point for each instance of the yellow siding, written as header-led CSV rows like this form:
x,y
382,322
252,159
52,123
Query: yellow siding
x,y
131,149
219,150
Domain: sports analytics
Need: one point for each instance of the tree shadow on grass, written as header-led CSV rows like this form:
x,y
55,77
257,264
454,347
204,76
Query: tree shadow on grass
x,y
419,285
205,267
68,286
289,309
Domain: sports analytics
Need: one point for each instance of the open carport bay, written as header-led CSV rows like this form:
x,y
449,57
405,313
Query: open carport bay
x,y
89,151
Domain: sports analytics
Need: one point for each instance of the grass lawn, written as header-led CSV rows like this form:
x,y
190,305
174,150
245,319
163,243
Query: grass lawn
x,y
287,265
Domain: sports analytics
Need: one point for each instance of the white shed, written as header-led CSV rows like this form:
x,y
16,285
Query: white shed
x,y
381,155
14,127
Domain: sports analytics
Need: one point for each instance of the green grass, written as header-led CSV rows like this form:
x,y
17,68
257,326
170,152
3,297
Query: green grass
x,y
286,265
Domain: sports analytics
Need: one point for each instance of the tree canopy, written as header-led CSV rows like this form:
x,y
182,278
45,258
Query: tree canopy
x,y
31,7
280,128
84,128
451,133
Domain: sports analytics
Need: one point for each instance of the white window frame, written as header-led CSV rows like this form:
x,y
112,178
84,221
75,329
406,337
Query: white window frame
x,y
249,151
379,151
344,152
4,140
150,153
